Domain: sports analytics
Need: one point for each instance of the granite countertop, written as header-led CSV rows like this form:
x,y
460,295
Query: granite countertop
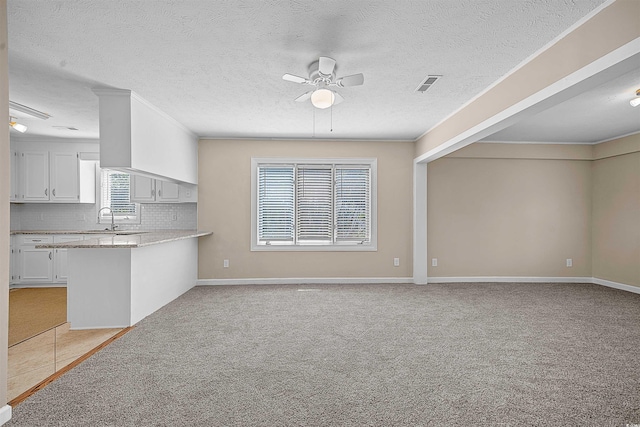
x,y
143,238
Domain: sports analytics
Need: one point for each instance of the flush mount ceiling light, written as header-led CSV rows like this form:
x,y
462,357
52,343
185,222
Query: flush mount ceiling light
x,y
17,126
28,110
635,101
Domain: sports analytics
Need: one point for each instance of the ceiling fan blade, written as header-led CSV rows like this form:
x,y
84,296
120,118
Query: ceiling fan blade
x,y
304,97
294,79
337,98
353,80
326,65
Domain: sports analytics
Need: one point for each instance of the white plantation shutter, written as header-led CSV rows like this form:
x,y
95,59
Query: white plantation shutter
x,y
314,203
115,194
352,203
276,200
314,192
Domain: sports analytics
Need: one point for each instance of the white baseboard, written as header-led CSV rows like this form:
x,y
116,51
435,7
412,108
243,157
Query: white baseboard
x,y
307,281
610,284
409,280
5,414
522,279
514,279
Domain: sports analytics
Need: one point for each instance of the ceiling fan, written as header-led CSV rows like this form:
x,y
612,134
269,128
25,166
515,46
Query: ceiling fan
x,y
322,75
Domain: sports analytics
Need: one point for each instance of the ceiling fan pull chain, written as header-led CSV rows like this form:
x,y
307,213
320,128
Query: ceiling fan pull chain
x,y
331,130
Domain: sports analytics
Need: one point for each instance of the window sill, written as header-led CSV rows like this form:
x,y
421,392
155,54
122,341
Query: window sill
x,y
314,248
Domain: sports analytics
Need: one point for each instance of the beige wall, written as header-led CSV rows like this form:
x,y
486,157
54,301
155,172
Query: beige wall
x,y
224,207
4,204
616,218
509,217
613,27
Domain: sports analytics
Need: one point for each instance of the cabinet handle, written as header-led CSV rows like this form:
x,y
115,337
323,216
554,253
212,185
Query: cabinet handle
x,y
46,191
36,240
160,193
152,192
50,255
53,192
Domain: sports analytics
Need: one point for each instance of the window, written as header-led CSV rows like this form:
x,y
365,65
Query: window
x,y
115,190
314,204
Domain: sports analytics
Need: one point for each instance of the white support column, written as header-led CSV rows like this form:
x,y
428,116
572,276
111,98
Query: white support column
x,y
419,223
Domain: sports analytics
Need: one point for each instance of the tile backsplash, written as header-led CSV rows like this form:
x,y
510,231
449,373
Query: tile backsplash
x,y
58,216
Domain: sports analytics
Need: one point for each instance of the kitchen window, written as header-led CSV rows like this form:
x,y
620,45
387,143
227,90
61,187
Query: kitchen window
x,y
115,191
314,204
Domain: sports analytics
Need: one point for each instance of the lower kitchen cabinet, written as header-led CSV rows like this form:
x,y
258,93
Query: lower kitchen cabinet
x,y
60,257
34,266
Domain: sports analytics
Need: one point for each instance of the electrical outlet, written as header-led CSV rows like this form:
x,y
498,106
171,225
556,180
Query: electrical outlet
x,y
434,262
174,217
569,262
396,262
225,263
41,217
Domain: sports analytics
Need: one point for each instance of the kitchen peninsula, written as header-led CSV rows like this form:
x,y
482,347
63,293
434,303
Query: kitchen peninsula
x,y
118,280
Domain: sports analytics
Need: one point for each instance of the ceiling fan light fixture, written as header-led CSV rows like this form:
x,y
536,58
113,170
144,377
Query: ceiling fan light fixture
x,y
17,126
322,98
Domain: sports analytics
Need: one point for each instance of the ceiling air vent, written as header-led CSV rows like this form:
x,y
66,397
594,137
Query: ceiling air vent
x,y
427,83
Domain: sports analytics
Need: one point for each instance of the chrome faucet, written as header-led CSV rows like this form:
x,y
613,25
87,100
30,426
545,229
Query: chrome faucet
x,y
113,224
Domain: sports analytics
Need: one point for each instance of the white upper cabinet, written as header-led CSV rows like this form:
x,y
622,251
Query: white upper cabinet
x,y
143,189
149,190
34,182
51,176
64,177
167,191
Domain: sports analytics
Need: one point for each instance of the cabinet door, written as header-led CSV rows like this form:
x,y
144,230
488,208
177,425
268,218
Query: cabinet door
x,y
60,272
36,265
14,176
63,180
34,170
14,271
143,189
167,191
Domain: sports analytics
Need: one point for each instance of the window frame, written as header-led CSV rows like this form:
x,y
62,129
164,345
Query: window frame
x,y
104,217
372,245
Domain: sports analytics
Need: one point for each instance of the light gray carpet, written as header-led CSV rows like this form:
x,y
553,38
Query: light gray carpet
x,y
363,355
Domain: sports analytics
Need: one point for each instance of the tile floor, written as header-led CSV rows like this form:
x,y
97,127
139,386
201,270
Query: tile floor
x,y
37,358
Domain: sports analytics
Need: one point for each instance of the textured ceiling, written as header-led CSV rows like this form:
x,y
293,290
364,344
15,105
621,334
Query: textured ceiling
x,y
216,66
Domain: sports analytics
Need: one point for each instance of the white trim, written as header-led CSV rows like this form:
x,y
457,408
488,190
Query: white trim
x,y
301,138
410,280
488,141
591,75
616,285
307,281
508,279
617,137
5,414
485,141
524,279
